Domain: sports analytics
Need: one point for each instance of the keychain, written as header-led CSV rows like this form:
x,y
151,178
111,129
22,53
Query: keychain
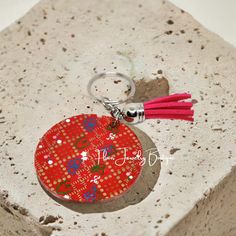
x,y
87,158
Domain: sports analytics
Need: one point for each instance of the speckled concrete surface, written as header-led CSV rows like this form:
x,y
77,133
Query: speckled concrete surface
x,y
15,220
215,214
46,60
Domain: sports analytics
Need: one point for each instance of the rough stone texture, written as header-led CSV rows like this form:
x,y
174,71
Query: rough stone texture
x,y
15,220
215,214
46,60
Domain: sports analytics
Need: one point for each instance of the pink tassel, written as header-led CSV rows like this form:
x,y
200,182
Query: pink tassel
x,y
169,107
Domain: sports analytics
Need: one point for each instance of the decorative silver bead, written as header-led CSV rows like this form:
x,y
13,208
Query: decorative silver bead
x,y
134,113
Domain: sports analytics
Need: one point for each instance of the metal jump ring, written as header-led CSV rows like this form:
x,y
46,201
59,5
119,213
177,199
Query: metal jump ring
x,y
111,74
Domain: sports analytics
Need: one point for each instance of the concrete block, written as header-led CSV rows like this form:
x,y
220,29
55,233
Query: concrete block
x,y
46,60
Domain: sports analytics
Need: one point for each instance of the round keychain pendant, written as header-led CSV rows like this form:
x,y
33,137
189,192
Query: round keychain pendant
x,y
84,159
87,158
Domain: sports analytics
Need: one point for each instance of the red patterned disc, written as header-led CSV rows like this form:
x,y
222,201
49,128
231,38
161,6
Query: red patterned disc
x,y
84,159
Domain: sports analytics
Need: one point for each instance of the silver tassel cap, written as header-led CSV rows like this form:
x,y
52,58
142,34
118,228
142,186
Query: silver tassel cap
x,y
133,113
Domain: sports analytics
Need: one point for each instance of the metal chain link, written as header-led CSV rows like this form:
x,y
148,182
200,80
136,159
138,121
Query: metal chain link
x,y
112,107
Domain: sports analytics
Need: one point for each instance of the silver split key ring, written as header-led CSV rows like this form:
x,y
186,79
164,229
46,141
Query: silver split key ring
x,y
112,105
109,75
